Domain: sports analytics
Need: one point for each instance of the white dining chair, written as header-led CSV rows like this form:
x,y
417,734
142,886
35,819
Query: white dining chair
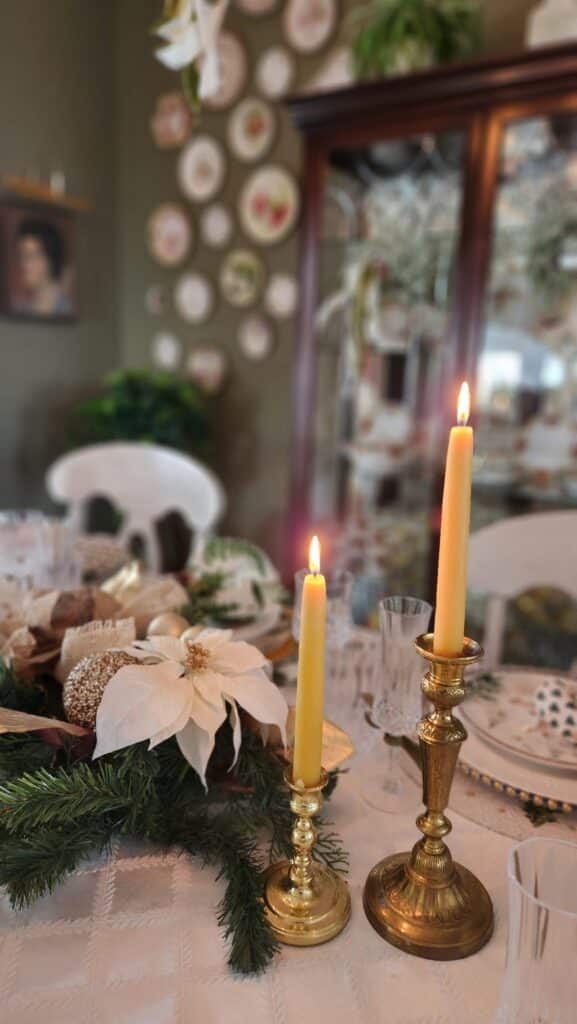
x,y
144,482
512,556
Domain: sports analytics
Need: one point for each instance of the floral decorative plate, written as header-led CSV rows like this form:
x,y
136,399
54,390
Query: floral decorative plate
x,y
309,24
194,297
510,716
269,204
275,72
169,234
281,296
207,366
172,121
201,168
256,338
233,64
216,225
242,277
166,351
257,7
251,129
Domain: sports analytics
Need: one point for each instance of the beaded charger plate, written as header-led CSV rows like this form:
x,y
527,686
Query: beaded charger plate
x,y
524,782
529,717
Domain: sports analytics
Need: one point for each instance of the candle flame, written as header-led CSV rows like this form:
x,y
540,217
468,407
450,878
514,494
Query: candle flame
x,y
463,405
315,555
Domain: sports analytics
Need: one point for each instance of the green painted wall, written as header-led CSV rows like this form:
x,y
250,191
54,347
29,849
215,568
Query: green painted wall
x,y
57,110
79,85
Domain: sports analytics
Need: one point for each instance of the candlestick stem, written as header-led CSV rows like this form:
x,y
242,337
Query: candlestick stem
x,y
306,902
422,901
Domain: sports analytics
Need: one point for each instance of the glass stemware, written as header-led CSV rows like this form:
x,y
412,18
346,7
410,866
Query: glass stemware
x,y
540,985
397,703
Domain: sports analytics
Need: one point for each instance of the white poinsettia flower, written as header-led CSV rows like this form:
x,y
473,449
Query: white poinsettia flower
x,y
182,38
186,688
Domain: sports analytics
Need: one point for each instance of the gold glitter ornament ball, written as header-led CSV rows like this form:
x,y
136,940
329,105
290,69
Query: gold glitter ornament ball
x,y
82,691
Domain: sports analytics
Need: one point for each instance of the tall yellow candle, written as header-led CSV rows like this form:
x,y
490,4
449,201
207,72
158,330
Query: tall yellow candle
x,y
454,541
311,674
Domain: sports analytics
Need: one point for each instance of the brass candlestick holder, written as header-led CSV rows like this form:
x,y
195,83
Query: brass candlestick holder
x,y
306,902
422,901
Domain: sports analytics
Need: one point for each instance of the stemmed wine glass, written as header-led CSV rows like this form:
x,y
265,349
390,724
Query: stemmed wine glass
x,y
397,704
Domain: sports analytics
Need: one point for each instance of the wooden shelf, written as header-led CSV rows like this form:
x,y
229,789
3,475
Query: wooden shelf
x,y
38,192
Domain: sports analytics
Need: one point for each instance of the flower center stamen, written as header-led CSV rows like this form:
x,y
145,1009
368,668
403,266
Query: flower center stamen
x,y
196,658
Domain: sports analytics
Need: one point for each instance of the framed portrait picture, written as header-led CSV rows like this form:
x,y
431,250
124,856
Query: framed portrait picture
x,y
37,262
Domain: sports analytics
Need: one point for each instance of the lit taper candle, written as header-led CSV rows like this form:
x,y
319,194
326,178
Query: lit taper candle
x,y
311,674
454,541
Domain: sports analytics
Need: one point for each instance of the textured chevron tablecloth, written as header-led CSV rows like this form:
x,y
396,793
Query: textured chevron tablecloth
x,y
134,940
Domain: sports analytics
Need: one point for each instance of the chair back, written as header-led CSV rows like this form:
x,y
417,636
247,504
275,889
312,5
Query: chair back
x,y
514,555
144,482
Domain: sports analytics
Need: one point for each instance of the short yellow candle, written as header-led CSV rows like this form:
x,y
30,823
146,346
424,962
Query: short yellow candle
x,y
311,674
454,541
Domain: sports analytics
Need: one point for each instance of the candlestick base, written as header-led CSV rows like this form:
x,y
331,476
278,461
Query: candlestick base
x,y
320,919
306,903
422,901
446,921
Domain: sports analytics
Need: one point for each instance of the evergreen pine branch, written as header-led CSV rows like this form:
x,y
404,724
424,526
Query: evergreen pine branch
x,y
219,840
32,866
61,798
21,752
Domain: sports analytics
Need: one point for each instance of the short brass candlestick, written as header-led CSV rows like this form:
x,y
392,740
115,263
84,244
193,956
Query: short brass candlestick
x,y
306,902
422,901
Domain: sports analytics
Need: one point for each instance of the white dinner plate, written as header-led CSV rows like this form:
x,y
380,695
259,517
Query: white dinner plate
x,y
509,723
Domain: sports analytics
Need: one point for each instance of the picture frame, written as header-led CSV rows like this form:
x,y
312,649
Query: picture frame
x,y
38,262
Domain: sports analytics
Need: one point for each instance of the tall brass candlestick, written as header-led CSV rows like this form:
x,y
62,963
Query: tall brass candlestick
x,y
306,903
423,901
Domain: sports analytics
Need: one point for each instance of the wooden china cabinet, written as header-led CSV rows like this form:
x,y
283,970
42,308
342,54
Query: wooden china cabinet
x,y
439,242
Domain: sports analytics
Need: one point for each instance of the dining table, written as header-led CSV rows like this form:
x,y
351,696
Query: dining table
x,y
132,937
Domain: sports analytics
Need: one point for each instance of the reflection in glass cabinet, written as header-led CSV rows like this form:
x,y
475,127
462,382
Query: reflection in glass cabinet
x,y
390,227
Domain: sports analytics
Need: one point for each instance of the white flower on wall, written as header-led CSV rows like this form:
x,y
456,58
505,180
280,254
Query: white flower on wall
x,y
191,37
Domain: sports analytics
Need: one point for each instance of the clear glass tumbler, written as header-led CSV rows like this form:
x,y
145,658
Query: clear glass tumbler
x,y
397,701
540,985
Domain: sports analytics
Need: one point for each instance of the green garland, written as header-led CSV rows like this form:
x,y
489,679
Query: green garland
x,y
56,809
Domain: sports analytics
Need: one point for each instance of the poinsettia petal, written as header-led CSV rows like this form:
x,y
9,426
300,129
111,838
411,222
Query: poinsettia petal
x,y
168,647
234,719
180,53
236,657
137,703
196,740
208,685
261,698
212,639
176,726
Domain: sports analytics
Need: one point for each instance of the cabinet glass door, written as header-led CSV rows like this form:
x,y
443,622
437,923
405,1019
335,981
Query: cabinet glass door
x,y
527,370
390,232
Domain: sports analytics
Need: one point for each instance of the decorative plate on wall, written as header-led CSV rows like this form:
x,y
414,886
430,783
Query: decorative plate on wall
x,y
207,365
275,72
257,7
201,168
242,277
281,296
169,234
269,204
233,64
251,129
256,338
172,121
194,297
166,351
309,24
216,225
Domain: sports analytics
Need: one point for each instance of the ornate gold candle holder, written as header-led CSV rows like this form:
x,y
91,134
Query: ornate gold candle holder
x,y
422,901
306,902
